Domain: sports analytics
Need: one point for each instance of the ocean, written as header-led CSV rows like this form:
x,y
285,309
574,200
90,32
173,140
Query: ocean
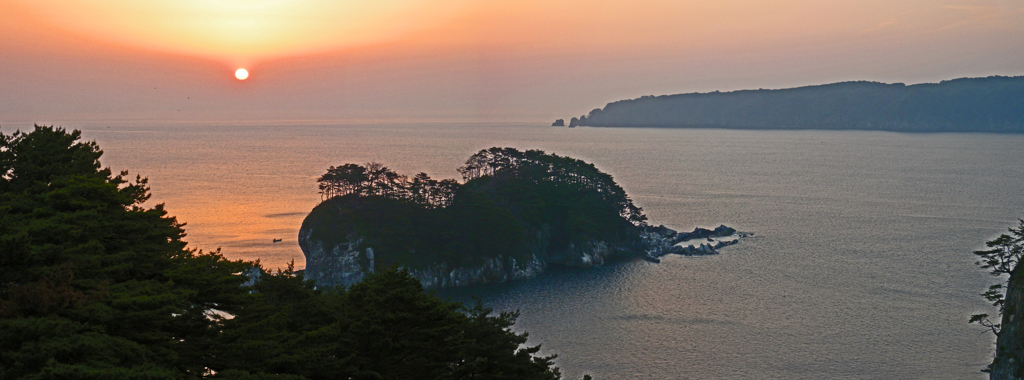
x,y
860,266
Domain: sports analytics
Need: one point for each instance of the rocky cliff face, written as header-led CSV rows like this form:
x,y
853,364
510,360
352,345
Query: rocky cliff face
x,y
1009,361
340,264
498,269
347,261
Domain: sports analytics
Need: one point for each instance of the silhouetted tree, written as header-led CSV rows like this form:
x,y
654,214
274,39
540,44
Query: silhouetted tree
x,y
1003,259
343,180
540,166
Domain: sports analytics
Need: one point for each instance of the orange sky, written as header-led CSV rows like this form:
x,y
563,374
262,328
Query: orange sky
x,y
460,59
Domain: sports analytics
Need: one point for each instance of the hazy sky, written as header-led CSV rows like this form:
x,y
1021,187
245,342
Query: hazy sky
x,y
66,61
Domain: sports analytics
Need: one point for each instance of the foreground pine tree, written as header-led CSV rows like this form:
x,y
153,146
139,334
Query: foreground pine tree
x,y
95,284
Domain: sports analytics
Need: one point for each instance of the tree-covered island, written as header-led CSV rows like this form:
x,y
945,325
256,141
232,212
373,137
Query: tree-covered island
x,y
514,214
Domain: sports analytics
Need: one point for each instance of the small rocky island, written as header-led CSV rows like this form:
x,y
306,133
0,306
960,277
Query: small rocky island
x,y
514,214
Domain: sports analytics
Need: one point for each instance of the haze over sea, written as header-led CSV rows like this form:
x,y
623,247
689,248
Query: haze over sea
x,y
861,265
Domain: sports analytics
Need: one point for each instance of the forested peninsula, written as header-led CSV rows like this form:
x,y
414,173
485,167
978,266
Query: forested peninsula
x,y
992,104
514,214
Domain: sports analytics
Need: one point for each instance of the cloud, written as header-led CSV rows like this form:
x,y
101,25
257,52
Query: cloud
x,y
898,19
880,26
986,16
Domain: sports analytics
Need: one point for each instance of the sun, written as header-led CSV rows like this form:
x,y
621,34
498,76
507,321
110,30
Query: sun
x,y
241,74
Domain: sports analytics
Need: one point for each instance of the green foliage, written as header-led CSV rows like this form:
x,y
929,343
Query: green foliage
x,y
1002,257
376,179
280,330
385,327
97,286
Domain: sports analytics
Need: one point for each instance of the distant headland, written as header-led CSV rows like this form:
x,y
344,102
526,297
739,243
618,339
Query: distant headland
x,y
992,104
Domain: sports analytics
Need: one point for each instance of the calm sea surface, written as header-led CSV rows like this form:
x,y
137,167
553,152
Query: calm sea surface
x,y
861,267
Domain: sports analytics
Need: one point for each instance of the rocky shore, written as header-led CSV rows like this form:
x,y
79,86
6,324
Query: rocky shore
x,y
660,241
346,262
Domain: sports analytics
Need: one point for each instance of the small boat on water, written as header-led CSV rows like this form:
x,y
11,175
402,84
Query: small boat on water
x,y
277,240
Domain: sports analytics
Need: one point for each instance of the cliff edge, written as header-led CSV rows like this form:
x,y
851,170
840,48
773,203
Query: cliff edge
x,y
1009,361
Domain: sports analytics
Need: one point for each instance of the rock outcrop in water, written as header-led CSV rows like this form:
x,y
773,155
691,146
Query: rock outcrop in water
x,y
660,241
516,214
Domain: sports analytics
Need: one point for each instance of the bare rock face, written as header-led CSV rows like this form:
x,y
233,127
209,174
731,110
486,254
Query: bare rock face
x,y
347,262
338,265
1009,361
588,254
498,269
